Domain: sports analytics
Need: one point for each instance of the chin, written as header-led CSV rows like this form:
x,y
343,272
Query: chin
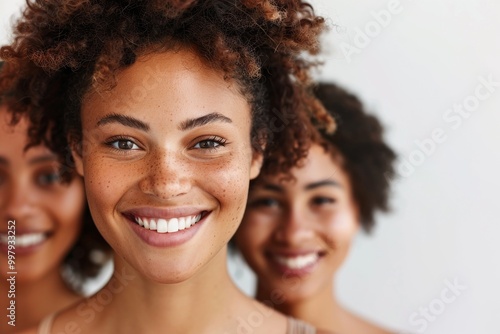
x,y
294,290
294,294
167,272
300,295
30,274
169,275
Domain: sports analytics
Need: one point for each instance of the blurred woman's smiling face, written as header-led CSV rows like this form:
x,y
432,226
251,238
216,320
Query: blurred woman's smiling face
x,y
296,233
167,158
47,213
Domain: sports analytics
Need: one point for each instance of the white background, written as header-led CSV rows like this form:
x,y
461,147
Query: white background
x,y
444,226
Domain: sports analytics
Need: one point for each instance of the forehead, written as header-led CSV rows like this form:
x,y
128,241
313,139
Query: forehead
x,y
17,138
180,78
320,165
15,135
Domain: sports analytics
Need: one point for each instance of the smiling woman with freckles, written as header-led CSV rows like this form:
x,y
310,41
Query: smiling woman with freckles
x,y
298,228
169,110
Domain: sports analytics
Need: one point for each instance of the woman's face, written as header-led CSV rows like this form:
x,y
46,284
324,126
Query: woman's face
x,y
296,233
47,213
167,160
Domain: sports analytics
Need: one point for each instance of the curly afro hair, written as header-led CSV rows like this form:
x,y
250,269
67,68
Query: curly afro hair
x,y
366,157
72,47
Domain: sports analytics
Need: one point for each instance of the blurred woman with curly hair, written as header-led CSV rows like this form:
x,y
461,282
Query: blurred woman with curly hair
x,y
171,108
298,228
47,235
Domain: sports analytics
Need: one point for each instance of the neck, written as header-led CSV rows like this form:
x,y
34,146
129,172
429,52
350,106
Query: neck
x,y
321,309
35,300
191,306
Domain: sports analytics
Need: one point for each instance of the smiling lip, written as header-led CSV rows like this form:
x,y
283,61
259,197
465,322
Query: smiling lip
x,y
26,242
295,263
166,227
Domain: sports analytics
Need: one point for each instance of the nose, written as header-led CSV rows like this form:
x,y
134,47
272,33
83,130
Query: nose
x,y
294,228
167,176
17,200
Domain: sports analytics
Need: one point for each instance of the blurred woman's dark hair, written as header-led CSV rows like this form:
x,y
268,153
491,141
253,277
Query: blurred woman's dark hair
x,y
366,157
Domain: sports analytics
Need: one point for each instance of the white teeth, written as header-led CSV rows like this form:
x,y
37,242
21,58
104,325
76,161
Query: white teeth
x,y
162,226
172,225
152,225
25,240
297,262
182,223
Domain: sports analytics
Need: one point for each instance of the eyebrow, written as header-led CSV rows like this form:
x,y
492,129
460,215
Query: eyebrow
x,y
185,125
43,158
124,120
323,183
33,161
273,187
203,120
310,186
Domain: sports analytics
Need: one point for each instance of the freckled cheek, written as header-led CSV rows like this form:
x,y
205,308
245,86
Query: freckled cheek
x,y
228,183
105,183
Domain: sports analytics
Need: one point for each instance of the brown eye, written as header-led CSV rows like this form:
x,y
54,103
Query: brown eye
x,y
265,202
211,143
204,144
48,178
124,144
322,200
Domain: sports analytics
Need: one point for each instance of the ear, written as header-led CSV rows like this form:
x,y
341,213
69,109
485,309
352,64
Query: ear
x,y
76,153
257,160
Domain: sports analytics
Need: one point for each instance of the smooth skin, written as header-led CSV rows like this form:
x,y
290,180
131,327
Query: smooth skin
x,y
172,136
32,195
296,234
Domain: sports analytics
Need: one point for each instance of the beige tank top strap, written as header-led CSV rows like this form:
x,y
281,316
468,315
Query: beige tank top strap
x,y
295,326
46,324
